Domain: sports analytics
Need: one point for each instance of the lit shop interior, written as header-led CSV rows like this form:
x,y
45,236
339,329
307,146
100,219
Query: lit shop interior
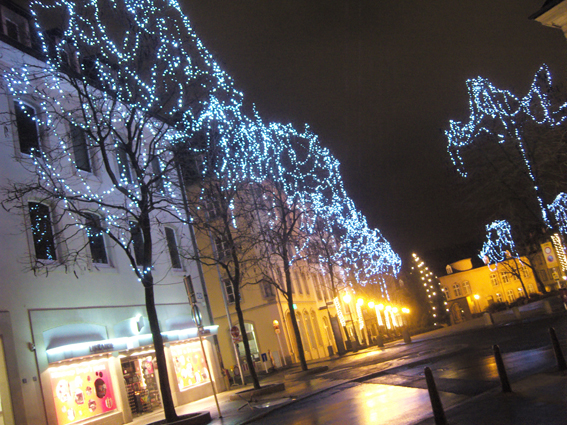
x,y
119,377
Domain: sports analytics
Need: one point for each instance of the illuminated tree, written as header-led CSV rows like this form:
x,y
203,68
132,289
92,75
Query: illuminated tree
x,y
499,249
437,304
121,84
515,153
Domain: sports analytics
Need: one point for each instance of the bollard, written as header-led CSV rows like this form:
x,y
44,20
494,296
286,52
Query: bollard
x,y
561,365
488,319
380,341
501,370
438,412
406,335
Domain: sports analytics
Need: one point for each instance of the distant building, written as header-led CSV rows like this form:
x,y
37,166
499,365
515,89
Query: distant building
x,y
471,290
553,14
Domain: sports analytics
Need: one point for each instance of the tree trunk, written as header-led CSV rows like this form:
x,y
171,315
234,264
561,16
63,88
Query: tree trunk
x,y
247,352
298,340
168,407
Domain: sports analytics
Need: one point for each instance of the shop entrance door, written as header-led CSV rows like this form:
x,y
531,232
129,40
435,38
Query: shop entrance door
x,y
140,376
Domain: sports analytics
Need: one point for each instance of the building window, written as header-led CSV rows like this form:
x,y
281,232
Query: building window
x,y
510,295
229,289
95,233
80,148
494,279
531,289
306,283
123,161
42,231
252,341
525,271
267,289
15,26
457,290
172,248
28,133
504,277
317,283
520,292
466,288
445,290
156,171
298,280
499,297
137,239
223,250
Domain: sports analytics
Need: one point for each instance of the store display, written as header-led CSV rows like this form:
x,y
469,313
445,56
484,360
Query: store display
x,y
190,365
73,391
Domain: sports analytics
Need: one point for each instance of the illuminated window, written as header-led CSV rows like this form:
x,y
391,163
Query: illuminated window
x,y
499,298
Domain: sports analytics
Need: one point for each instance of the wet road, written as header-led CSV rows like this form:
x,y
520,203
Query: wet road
x,y
388,393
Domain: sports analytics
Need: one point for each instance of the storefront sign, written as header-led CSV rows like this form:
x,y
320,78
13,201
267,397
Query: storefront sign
x,y
101,348
82,391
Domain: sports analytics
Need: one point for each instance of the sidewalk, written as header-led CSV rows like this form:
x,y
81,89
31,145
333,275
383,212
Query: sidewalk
x,y
539,399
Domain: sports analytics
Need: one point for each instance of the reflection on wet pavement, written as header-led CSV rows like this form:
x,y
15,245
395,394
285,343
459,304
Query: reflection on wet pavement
x,y
362,404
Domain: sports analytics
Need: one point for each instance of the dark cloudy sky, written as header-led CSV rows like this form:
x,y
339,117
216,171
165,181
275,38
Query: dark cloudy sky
x,y
378,81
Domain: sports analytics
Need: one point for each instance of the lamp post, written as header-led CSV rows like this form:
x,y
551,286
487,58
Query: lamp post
x,y
477,302
359,304
347,299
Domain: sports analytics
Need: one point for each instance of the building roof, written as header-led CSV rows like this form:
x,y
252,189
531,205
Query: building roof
x,y
548,5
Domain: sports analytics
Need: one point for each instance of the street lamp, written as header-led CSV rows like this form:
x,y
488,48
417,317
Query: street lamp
x,y
347,299
477,303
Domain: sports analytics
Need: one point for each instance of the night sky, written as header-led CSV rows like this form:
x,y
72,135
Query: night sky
x,y
378,81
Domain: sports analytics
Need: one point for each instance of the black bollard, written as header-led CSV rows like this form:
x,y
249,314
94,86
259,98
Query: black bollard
x,y
501,370
380,341
561,365
438,412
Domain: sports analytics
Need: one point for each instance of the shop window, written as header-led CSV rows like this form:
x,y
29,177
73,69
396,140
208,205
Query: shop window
x,y
172,248
28,132
42,231
95,233
80,148
190,366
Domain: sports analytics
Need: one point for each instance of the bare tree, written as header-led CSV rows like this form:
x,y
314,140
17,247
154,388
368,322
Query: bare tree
x,y
118,87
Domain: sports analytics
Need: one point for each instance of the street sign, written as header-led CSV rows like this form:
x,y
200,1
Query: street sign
x,y
235,332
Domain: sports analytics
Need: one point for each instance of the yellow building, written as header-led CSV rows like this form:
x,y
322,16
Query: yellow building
x,y
471,290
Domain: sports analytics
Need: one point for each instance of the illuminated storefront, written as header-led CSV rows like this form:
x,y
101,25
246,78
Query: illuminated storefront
x,y
110,376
